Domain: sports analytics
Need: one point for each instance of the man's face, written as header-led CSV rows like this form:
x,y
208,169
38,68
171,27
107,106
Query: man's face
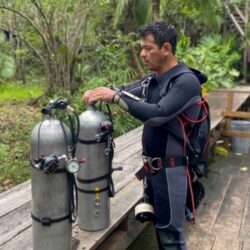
x,y
154,57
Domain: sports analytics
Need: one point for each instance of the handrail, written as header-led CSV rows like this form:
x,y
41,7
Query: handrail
x,y
234,20
239,12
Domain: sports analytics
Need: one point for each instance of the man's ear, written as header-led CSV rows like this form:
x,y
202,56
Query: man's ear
x,y
167,47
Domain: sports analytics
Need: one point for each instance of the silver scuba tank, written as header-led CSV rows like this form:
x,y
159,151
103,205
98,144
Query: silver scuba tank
x,y
94,182
51,187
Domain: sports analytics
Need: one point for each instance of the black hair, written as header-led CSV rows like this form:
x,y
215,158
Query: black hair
x,y
162,33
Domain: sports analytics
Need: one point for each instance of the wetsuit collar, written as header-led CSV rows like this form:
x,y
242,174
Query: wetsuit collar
x,y
165,78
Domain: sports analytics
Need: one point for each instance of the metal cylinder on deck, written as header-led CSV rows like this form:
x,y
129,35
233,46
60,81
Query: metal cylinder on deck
x,y
92,178
50,192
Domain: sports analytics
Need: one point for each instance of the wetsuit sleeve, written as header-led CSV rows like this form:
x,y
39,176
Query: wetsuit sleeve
x,y
136,88
185,91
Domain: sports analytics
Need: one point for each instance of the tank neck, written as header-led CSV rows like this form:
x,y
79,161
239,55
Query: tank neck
x,y
91,107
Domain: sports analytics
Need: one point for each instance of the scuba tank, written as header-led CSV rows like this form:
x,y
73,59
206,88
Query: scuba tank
x,y
94,181
52,182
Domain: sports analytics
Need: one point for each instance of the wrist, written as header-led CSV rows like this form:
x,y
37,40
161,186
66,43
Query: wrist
x,y
116,98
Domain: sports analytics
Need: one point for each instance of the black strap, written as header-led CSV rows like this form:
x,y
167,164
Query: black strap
x,y
106,176
165,162
92,191
176,161
90,141
46,221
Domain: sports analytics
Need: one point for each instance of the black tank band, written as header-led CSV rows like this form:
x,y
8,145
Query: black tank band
x,y
46,221
106,176
90,141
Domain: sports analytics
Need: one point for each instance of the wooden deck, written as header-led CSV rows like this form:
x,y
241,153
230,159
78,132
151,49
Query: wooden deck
x,y
223,217
15,221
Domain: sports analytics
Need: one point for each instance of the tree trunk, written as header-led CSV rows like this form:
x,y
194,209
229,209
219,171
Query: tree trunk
x,y
155,9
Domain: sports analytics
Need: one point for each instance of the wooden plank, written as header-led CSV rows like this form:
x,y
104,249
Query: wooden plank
x,y
14,223
125,154
15,189
237,114
222,243
246,245
129,196
122,141
209,210
15,199
122,178
22,241
229,219
236,133
241,90
202,241
245,224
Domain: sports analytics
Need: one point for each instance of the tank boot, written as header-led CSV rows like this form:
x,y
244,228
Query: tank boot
x,y
169,240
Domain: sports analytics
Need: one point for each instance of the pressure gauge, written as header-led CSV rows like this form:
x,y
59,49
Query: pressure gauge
x,y
72,166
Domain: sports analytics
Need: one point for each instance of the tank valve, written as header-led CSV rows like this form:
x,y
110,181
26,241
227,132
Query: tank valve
x,y
49,164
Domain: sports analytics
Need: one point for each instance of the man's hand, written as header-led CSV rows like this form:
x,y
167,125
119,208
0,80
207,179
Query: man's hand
x,y
98,94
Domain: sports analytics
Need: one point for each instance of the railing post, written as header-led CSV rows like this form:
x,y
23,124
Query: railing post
x,y
230,97
246,51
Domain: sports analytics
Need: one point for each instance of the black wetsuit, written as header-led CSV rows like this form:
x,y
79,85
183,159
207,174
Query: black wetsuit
x,y
166,97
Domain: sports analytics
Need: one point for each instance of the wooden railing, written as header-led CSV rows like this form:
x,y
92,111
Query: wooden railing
x,y
229,114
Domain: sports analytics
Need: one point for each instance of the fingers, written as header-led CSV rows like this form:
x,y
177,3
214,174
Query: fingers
x,y
98,94
86,97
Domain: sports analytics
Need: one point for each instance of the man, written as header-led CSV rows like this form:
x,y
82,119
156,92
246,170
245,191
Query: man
x,y
158,100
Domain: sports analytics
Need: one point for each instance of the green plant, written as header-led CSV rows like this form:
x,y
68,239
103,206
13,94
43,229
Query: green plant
x,y
16,125
215,56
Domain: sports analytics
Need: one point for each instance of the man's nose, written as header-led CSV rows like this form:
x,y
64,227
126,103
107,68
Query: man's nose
x,y
142,54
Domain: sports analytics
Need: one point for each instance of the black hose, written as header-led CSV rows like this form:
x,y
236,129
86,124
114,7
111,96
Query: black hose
x,y
110,180
73,197
73,203
109,113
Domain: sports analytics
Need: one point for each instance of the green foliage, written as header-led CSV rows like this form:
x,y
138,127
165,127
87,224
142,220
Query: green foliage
x,y
195,17
109,59
139,11
214,56
124,122
15,91
15,126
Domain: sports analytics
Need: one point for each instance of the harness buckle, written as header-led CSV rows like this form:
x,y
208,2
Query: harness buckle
x,y
149,163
